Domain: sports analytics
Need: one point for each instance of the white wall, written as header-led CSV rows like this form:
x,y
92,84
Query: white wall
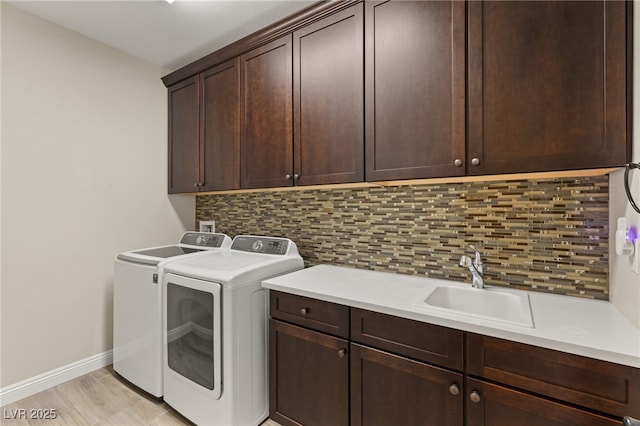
x,y
84,147
624,285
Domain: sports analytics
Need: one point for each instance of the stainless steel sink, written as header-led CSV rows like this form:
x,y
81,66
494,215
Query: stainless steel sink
x,y
511,307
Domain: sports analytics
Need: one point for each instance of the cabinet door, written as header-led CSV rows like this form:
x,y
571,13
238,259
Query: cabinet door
x,y
547,85
388,389
415,89
587,382
494,405
220,149
267,127
328,103
184,136
309,377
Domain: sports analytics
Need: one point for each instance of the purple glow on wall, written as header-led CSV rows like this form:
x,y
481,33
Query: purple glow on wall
x,y
632,234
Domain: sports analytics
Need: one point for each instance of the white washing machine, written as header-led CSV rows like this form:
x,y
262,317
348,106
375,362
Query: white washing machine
x,y
215,340
137,306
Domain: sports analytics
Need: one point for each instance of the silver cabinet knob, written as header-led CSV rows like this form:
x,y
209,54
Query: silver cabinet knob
x,y
454,389
457,162
304,311
195,185
296,176
474,396
475,161
342,353
287,176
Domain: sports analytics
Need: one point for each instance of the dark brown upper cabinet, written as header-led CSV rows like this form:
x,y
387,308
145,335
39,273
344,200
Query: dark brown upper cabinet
x,y
547,85
328,100
415,89
267,115
184,136
204,132
220,127
384,90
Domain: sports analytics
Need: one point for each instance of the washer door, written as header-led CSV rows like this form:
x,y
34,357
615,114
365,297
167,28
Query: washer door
x,y
193,334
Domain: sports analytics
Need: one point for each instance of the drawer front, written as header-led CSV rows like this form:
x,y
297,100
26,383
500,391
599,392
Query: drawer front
x,y
425,342
598,385
318,315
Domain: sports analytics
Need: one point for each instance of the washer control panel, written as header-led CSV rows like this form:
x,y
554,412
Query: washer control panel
x,y
263,245
202,239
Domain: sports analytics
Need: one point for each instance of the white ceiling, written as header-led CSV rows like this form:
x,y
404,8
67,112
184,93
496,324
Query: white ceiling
x,y
168,35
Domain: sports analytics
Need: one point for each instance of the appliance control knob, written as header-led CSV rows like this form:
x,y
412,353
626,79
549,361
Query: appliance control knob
x,y
474,396
257,246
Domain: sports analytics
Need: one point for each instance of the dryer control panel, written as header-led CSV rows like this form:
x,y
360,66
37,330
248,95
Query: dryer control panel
x,y
263,245
202,239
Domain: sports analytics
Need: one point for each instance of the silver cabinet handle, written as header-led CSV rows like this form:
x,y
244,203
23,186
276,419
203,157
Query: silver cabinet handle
x,y
457,162
342,353
630,421
296,176
474,396
304,311
454,389
475,161
287,176
196,185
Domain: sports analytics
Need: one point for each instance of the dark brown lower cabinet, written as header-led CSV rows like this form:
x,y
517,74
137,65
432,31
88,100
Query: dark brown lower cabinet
x,y
493,405
336,365
309,377
388,389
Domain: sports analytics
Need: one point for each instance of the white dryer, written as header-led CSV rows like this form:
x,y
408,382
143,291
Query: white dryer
x,y
215,339
137,306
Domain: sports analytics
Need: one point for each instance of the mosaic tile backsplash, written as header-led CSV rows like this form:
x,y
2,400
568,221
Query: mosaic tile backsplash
x,y
548,235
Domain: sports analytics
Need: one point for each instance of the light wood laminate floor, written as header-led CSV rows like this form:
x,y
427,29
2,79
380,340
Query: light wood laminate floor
x,y
98,398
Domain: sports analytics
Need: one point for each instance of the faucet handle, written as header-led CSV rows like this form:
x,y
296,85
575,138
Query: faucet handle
x,y
478,260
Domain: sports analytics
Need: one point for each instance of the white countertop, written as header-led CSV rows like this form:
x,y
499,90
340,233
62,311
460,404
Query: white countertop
x,y
590,328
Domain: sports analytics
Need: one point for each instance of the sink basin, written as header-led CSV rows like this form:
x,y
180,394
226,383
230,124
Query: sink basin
x,y
487,303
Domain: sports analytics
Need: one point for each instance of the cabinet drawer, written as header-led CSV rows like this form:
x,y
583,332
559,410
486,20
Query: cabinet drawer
x,y
318,315
598,385
425,342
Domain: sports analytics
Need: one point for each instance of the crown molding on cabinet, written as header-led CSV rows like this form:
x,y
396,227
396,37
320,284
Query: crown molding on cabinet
x,y
287,25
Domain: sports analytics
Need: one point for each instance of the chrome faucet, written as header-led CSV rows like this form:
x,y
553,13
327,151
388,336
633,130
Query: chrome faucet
x,y
475,267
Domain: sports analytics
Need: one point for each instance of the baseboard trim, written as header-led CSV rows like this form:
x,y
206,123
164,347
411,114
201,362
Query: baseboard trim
x,y
26,388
